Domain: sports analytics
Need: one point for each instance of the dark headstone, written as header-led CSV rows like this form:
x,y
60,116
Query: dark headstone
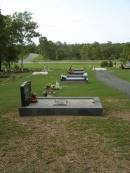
x,y
25,89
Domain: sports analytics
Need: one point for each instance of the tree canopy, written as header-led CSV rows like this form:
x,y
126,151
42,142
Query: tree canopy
x,y
94,51
16,32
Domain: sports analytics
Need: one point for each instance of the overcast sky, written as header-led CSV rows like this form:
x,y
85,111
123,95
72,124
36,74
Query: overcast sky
x,y
77,21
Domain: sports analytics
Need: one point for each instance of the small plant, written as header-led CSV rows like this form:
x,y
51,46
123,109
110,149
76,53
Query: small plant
x,y
104,63
107,63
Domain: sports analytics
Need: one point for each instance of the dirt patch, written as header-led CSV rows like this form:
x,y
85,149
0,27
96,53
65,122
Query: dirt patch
x,y
117,108
124,115
55,145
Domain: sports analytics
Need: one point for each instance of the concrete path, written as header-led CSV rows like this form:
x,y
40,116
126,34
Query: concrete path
x,y
30,57
113,81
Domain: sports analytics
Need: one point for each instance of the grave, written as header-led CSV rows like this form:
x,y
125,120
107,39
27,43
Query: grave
x,y
40,73
74,77
77,69
99,69
76,72
126,66
57,105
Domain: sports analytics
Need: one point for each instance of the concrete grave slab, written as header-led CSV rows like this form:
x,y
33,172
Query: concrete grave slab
x,y
57,105
74,77
77,72
63,106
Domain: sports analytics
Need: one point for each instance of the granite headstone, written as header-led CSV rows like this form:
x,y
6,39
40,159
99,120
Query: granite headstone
x,y
25,90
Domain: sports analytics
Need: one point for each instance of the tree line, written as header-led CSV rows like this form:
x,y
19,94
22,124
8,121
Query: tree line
x,y
94,51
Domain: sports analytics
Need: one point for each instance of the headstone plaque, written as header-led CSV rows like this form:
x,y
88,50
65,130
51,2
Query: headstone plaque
x,y
25,89
60,102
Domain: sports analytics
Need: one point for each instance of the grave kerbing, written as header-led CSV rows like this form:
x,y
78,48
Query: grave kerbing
x,y
46,106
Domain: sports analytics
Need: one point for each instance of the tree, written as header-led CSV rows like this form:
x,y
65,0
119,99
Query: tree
x,y
86,52
43,46
11,54
125,54
24,30
32,48
6,39
3,38
48,49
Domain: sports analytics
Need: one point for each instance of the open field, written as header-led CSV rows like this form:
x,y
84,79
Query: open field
x,y
64,144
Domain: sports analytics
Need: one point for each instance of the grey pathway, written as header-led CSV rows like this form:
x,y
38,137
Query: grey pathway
x,y
113,81
30,57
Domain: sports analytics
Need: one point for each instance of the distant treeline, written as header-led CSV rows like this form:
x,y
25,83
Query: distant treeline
x,y
94,51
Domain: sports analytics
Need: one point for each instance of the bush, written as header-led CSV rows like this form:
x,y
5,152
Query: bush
x,y
107,63
104,64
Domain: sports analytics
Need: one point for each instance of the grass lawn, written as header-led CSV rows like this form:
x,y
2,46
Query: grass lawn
x,y
124,74
64,144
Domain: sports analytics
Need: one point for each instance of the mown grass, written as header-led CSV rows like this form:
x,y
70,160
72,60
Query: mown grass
x,y
10,87
64,144
68,144
7,128
118,132
123,74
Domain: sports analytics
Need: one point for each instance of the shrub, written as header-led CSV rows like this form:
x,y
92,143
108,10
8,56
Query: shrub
x,y
104,64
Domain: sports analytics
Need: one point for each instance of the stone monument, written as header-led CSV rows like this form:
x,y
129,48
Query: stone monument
x,y
25,90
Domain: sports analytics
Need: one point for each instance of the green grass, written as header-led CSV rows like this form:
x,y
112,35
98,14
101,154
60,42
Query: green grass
x,y
92,88
123,74
116,131
10,128
61,65
10,87
64,144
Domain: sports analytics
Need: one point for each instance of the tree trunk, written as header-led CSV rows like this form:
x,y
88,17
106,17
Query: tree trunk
x,y
0,64
22,63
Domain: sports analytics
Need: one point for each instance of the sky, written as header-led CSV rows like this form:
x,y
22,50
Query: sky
x,y
77,21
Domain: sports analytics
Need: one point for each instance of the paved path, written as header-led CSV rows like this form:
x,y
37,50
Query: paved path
x,y
113,81
31,57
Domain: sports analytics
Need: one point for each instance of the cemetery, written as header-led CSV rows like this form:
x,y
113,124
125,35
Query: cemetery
x,y
71,112
64,87
31,105
72,78
75,74
99,69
